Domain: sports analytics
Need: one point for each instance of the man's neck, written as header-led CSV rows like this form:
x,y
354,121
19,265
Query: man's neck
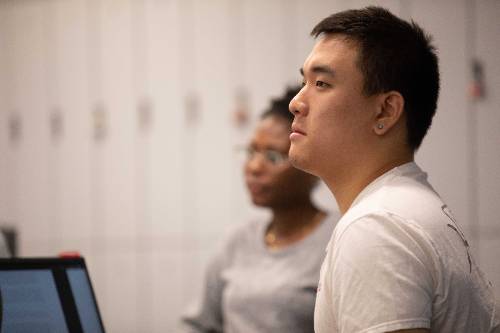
x,y
348,186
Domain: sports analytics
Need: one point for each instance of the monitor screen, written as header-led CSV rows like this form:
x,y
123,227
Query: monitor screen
x,y
47,295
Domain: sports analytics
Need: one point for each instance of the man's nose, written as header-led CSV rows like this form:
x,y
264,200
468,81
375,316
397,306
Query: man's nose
x,y
297,105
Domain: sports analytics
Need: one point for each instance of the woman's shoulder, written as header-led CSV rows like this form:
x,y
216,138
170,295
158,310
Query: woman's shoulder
x,y
329,222
243,234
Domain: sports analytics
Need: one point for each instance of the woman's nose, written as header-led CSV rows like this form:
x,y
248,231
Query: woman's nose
x,y
255,163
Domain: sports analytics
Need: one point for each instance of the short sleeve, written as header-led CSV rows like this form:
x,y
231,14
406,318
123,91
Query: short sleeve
x,y
381,276
205,315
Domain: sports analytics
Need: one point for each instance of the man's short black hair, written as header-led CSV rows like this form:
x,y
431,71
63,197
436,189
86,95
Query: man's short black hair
x,y
279,106
393,55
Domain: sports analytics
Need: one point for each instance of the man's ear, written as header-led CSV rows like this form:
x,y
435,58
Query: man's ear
x,y
390,109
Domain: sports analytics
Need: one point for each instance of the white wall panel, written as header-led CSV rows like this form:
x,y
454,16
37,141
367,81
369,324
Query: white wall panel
x,y
118,162
7,164
265,49
144,290
97,264
393,5
168,301
121,282
487,46
211,143
165,162
28,91
70,153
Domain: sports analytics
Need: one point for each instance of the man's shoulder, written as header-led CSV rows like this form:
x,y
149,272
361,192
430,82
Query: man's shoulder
x,y
405,200
401,215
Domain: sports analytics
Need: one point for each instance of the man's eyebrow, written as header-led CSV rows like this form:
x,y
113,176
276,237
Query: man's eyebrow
x,y
320,70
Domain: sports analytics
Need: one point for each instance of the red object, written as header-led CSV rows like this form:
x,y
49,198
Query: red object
x,y
70,254
477,88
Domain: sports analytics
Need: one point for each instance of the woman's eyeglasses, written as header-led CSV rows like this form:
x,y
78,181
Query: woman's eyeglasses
x,y
270,156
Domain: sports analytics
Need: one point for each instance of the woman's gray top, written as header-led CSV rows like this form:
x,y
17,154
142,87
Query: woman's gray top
x,y
252,289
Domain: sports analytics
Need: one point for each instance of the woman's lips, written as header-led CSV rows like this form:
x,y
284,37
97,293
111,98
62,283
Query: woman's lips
x,y
256,188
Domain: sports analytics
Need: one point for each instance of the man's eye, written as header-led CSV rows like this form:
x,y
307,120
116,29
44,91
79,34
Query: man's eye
x,y
321,84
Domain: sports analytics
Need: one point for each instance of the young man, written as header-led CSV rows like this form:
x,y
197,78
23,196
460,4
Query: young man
x,y
397,260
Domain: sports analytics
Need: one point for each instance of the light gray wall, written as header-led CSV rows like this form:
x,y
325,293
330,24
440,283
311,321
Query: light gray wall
x,y
146,205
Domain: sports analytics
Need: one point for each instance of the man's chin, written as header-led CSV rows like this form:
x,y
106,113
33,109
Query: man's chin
x,y
294,156
299,162
295,162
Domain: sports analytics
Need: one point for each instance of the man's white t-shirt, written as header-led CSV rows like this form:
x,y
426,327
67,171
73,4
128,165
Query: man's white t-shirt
x,y
398,260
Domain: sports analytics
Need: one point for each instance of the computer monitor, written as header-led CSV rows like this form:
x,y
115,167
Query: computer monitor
x,y
47,295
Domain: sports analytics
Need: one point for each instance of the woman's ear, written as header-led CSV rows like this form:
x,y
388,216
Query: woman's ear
x,y
390,110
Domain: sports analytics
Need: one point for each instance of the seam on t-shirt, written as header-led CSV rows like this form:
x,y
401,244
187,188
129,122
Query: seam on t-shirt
x,y
366,215
428,238
494,316
398,325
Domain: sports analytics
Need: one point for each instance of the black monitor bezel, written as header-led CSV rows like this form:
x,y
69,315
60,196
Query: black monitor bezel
x,y
55,265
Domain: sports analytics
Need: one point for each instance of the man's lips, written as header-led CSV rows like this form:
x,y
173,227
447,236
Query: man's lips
x,y
297,131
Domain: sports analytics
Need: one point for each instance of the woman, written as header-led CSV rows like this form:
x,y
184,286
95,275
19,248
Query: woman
x,y
265,277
